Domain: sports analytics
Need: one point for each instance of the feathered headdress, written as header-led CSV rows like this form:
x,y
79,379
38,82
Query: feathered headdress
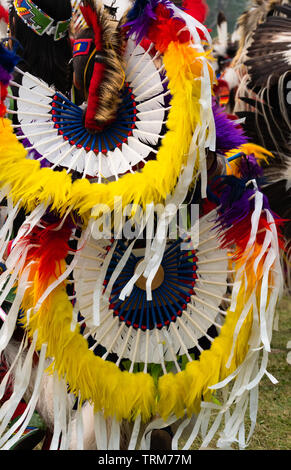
x,y
108,72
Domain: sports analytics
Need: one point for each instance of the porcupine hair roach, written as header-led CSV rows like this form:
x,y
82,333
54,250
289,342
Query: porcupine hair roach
x,y
113,43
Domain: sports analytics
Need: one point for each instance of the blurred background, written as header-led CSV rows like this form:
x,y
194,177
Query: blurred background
x,y
231,8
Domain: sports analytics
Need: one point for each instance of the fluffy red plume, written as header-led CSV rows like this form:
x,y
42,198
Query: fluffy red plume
x,y
49,246
166,29
3,14
196,8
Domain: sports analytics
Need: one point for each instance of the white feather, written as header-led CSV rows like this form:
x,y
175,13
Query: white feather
x,y
153,77
36,81
142,149
153,103
78,155
155,114
59,156
135,57
230,76
153,90
148,137
150,126
131,155
28,93
139,76
222,33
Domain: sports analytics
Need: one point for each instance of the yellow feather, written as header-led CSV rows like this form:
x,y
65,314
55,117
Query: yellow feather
x,y
260,153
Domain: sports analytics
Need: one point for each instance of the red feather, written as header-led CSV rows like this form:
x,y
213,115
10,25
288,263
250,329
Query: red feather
x,y
50,248
3,14
93,99
3,109
3,93
238,234
166,29
89,15
98,72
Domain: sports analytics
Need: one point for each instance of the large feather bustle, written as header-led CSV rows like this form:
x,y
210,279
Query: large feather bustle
x,y
263,93
55,330
262,99
247,23
275,33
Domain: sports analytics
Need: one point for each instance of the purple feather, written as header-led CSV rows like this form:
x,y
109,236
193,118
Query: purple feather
x,y
228,135
249,167
5,76
34,154
237,210
236,201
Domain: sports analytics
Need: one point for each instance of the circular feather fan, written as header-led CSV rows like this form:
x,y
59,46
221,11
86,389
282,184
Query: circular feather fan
x,y
187,290
62,141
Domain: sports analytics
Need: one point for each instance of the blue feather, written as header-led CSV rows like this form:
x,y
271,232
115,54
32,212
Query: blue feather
x,y
8,58
137,9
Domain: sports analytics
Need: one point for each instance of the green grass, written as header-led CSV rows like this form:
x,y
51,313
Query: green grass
x,y
273,427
